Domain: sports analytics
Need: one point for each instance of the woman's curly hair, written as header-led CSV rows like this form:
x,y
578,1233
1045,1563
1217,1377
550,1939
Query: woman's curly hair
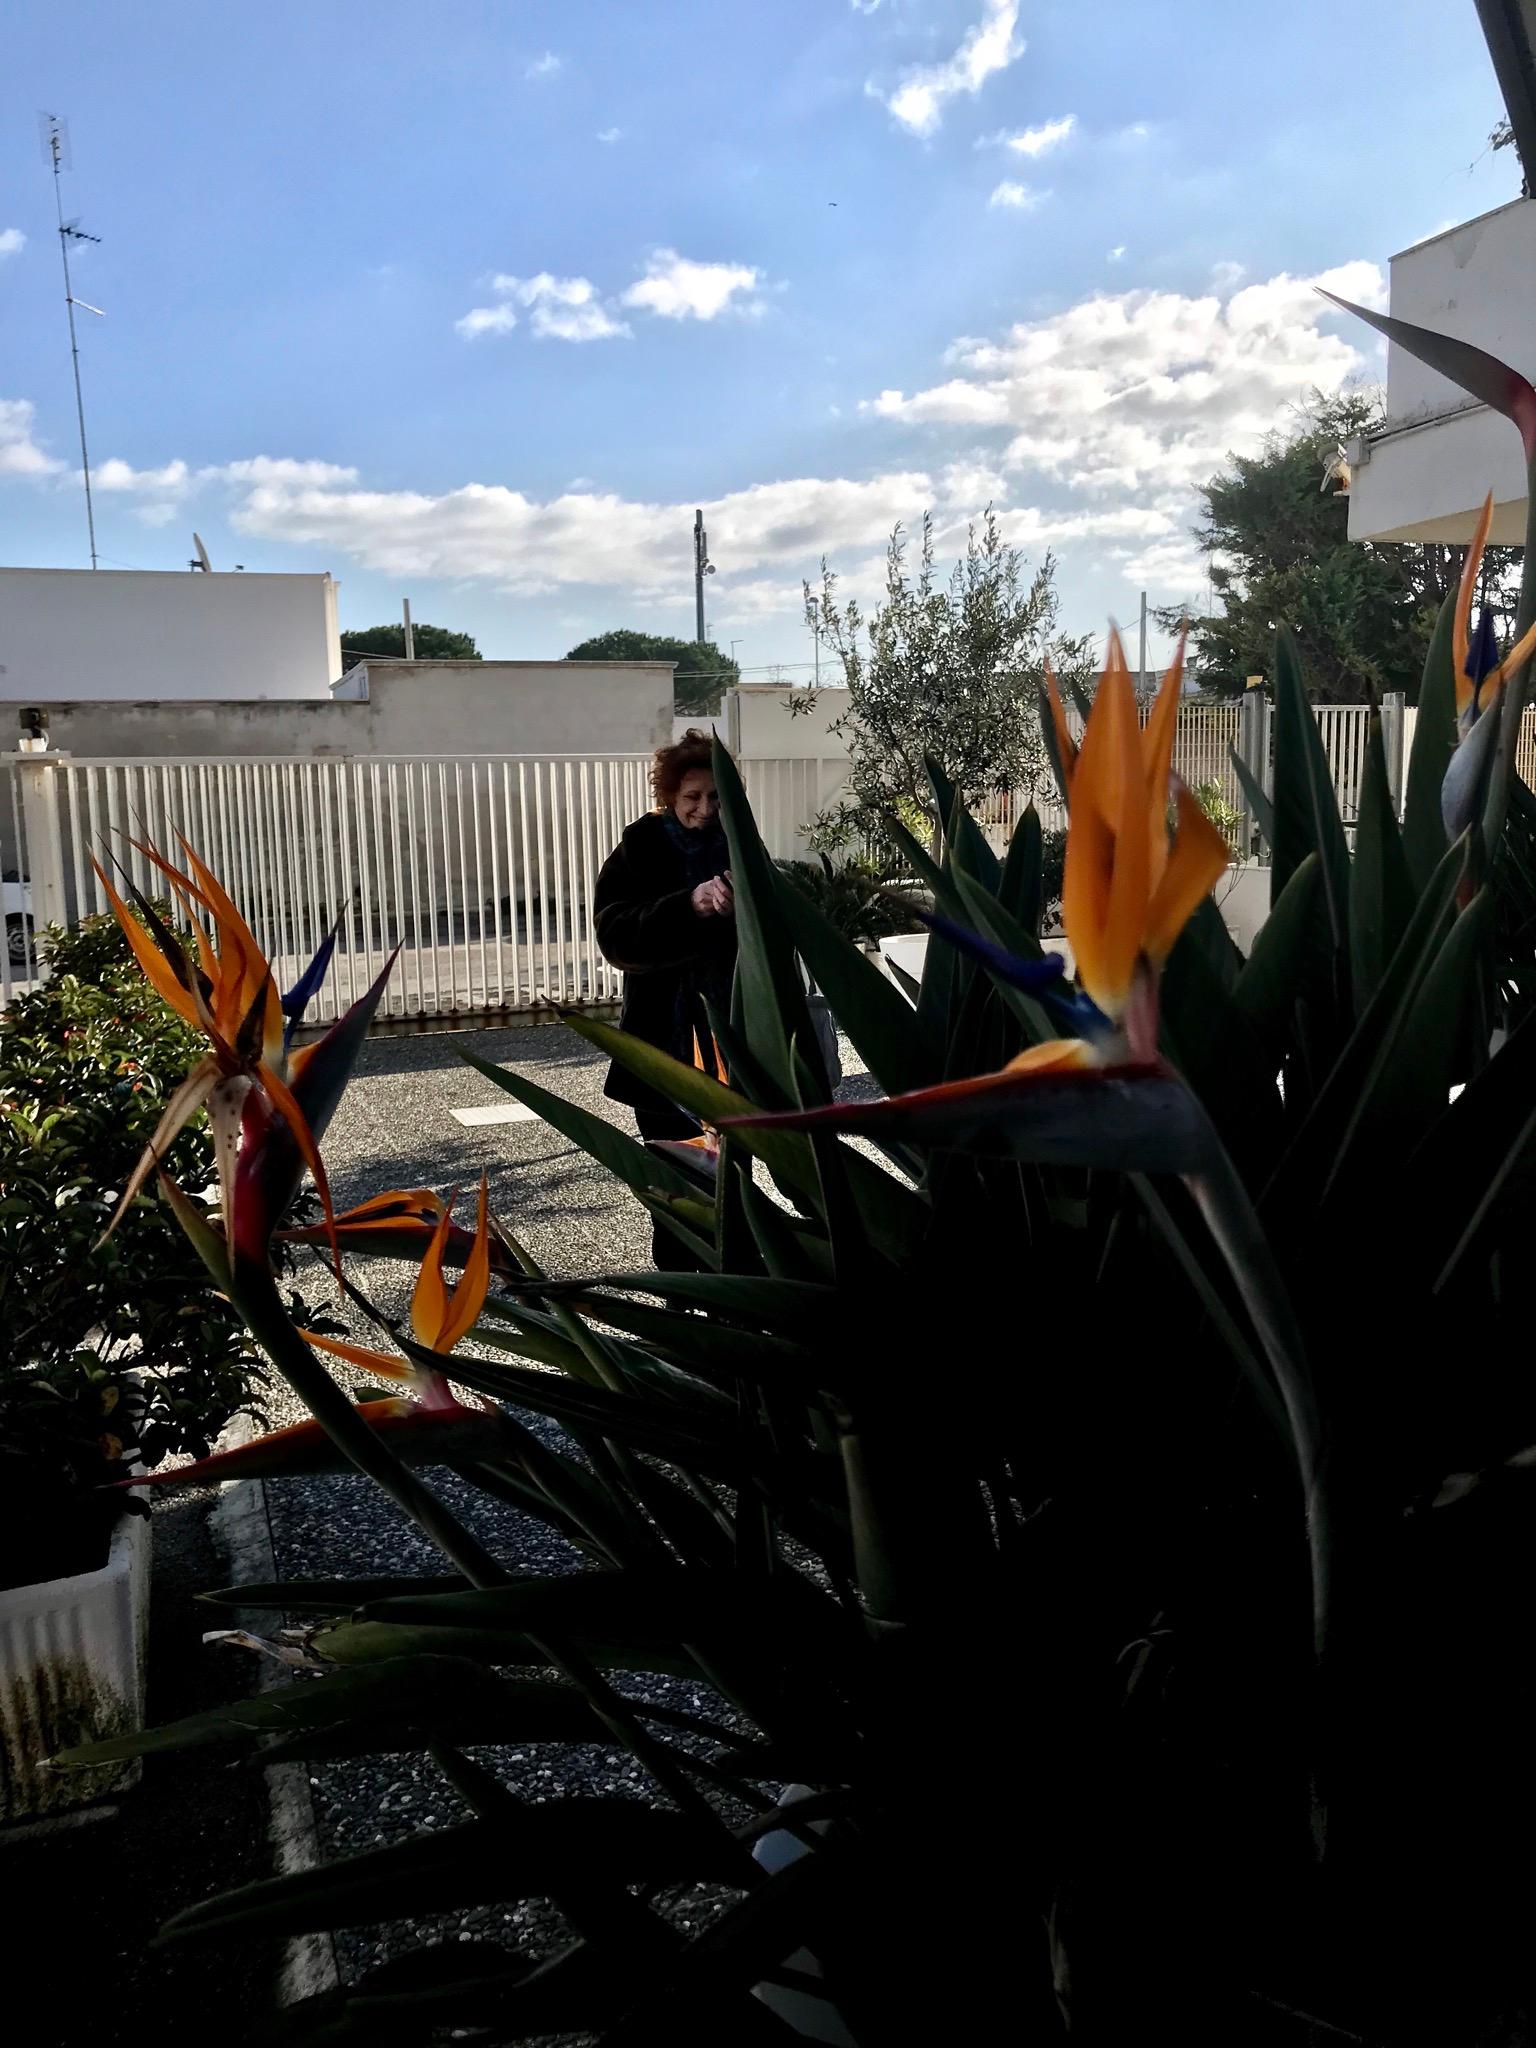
x,y
671,763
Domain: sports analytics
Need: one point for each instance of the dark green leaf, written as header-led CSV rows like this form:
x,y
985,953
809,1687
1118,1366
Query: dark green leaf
x,y
556,1845
872,1012
774,1011
1380,892
1306,809
1434,742
398,1704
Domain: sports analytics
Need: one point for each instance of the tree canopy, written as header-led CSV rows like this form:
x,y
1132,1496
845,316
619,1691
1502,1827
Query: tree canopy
x,y
943,669
703,673
1280,553
432,643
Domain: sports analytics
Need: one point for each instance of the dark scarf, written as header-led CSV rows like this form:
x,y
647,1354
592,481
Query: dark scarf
x,y
704,850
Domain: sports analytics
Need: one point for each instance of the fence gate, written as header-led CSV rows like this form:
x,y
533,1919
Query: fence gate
x,y
479,869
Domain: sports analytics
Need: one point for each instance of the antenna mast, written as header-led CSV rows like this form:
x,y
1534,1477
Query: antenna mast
x,y
70,232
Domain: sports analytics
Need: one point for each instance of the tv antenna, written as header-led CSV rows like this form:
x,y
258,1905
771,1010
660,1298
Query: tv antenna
x,y
56,142
702,567
199,555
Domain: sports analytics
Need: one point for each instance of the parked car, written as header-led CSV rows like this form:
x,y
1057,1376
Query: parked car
x,y
16,904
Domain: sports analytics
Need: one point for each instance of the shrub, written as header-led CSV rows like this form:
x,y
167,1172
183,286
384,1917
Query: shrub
x,y
1212,799
852,897
113,1351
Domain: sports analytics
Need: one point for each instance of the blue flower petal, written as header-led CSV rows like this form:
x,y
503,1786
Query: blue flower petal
x,y
298,998
1033,976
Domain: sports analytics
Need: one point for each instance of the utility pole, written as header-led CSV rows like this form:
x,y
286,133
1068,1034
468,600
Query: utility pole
x,y
702,567
1141,681
410,637
70,232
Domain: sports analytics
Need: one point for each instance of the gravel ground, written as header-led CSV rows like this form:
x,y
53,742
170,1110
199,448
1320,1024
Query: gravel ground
x,y
394,1129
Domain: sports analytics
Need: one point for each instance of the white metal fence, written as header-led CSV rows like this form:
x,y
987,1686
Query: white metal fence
x,y
480,869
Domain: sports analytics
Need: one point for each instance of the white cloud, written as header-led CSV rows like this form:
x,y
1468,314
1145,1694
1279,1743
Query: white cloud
x,y
1032,142
117,475
1174,567
1117,254
545,66
559,309
12,241
486,320
279,469
609,134
1225,277
491,533
1088,428
919,99
1022,198
864,6
159,493
1142,391
677,288
19,453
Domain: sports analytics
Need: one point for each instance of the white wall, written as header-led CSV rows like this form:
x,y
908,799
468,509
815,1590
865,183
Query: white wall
x,y
403,708
1439,455
759,723
146,635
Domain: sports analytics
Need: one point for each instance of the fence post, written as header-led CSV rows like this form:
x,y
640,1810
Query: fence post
x,y
1393,705
1253,747
44,840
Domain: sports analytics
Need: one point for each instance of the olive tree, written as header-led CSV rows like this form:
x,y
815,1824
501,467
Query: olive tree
x,y
948,669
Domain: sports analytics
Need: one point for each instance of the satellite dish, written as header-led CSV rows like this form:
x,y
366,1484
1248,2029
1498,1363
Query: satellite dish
x,y
202,562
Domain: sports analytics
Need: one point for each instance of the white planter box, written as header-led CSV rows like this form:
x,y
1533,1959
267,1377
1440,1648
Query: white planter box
x,y
1242,897
909,950
72,1670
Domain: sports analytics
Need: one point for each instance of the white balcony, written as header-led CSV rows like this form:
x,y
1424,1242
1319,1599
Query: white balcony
x,y
1423,475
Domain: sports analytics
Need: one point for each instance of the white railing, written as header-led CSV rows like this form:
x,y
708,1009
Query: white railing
x,y
478,869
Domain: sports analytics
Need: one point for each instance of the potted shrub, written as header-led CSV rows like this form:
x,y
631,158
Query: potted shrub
x,y
116,1355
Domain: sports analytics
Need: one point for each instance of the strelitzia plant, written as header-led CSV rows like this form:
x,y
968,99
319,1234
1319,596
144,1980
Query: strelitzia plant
x,y
974,1490
432,1425
227,992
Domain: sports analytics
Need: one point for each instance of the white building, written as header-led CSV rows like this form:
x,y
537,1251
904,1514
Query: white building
x,y
1423,474
149,636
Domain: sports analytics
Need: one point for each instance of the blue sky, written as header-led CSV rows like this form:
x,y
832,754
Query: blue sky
x,y
474,303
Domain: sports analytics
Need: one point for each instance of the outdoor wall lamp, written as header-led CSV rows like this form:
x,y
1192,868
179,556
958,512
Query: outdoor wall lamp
x,y
34,733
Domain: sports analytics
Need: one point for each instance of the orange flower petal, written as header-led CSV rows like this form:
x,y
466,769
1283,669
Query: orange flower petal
x,y
1466,590
1197,861
304,1138
242,961
429,1299
359,1354
474,1285
1104,896
1055,1056
157,970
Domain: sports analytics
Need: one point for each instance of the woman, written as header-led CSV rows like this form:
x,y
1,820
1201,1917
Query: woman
x,y
665,914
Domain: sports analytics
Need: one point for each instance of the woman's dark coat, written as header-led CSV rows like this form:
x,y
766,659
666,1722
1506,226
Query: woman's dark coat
x,y
672,958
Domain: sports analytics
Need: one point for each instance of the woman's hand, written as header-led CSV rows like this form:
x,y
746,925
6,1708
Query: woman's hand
x,y
713,898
